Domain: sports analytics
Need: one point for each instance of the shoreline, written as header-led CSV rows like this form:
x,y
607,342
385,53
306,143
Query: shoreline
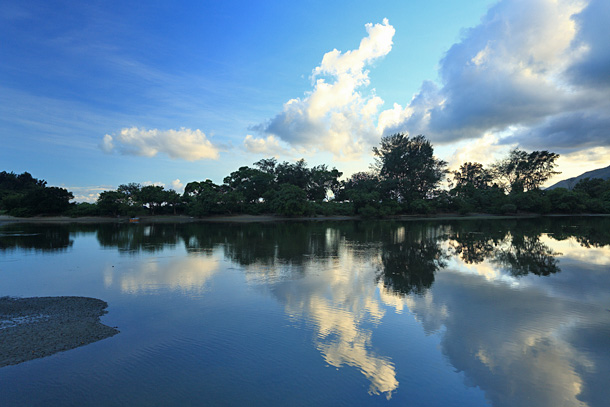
x,y
5,219
37,327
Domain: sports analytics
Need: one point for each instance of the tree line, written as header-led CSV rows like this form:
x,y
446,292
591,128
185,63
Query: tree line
x,y
406,178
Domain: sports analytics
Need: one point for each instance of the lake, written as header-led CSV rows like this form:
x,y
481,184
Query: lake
x,y
509,312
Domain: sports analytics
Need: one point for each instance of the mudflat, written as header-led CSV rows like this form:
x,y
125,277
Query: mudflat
x,y
36,327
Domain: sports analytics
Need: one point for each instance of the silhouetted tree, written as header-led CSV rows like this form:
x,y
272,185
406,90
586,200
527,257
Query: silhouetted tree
x,y
408,165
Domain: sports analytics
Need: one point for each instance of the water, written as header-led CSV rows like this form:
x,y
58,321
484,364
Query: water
x,y
461,313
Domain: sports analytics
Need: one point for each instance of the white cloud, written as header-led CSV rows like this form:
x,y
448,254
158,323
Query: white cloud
x,y
504,72
269,145
533,73
485,150
87,194
335,116
183,144
177,185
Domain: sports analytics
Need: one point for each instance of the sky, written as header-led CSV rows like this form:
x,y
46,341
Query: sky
x,y
101,93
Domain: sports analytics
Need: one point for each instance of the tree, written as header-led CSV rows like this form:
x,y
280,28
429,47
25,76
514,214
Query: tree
x,y
472,175
296,174
361,189
250,182
289,200
111,203
321,180
266,165
408,166
152,196
202,197
130,193
173,199
24,195
521,171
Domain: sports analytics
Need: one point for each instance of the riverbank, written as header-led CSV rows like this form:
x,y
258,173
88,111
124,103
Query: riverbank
x,y
36,327
263,218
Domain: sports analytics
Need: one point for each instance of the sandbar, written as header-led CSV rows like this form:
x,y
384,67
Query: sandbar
x,y
36,327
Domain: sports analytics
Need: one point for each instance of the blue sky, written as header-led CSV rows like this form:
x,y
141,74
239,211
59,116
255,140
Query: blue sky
x,y
104,93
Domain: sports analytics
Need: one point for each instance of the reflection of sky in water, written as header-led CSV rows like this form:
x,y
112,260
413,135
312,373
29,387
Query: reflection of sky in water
x,y
511,335
336,297
521,342
521,338
185,274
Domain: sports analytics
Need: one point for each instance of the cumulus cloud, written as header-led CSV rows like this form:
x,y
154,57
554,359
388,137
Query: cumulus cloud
x,y
269,145
87,193
532,73
186,144
335,116
178,185
537,68
566,131
592,38
484,150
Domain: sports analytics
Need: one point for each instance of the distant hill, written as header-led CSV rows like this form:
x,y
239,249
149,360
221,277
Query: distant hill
x,y
603,173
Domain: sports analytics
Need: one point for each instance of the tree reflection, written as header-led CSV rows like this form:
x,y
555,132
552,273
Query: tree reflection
x,y
134,238
527,254
514,244
592,231
409,261
293,243
46,238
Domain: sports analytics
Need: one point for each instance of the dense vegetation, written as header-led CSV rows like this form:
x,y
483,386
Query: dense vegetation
x,y
406,179
24,195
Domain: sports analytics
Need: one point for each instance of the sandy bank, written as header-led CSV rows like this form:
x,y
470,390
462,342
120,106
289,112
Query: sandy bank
x,y
32,328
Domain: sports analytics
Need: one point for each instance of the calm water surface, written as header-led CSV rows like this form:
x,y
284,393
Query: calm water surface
x,y
464,313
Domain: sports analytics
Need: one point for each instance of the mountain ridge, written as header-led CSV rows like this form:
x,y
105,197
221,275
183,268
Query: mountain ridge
x,y
603,173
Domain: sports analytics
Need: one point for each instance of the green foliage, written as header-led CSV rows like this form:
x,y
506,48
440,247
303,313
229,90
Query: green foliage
x,y
420,207
112,203
368,211
405,179
565,201
508,209
521,171
531,201
250,182
202,198
23,195
152,196
83,209
471,176
321,180
288,200
408,166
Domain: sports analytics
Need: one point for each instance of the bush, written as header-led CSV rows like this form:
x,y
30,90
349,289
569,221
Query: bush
x,y
83,209
421,207
289,200
531,201
508,209
368,212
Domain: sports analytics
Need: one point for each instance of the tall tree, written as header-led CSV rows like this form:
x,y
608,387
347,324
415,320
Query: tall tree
x,y
321,180
521,171
250,182
472,175
408,165
296,174
152,196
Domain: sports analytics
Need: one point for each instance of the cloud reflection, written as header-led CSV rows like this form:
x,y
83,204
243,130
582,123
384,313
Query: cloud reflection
x,y
514,342
187,274
342,305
